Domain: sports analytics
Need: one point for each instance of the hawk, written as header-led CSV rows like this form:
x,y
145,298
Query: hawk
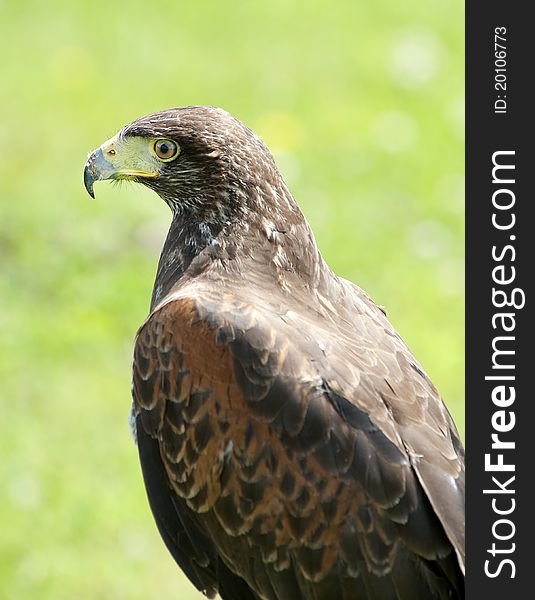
x,y
291,445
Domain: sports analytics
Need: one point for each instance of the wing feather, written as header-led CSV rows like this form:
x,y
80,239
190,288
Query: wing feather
x,y
299,463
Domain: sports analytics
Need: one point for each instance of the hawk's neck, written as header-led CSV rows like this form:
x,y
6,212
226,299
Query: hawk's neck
x,y
184,244
280,246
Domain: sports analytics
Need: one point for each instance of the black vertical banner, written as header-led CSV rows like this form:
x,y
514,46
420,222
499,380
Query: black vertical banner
x,y
500,260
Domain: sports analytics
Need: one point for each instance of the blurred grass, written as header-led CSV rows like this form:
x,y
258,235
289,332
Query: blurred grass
x,y
361,103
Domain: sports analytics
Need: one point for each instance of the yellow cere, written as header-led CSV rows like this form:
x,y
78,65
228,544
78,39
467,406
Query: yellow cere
x,y
132,156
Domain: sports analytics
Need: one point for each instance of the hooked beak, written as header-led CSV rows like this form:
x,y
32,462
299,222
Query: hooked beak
x,y
105,163
96,168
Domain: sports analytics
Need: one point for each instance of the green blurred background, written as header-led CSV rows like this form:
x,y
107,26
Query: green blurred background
x,y
362,104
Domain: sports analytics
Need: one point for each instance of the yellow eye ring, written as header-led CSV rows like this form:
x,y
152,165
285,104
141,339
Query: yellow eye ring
x,y
165,150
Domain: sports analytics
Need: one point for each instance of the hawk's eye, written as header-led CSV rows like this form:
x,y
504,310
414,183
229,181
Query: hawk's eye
x,y
166,150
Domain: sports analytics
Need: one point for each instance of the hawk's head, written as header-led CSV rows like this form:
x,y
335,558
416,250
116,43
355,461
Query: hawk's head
x,y
197,158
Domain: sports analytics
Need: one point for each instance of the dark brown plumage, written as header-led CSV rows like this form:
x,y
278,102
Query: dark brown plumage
x,y
292,447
